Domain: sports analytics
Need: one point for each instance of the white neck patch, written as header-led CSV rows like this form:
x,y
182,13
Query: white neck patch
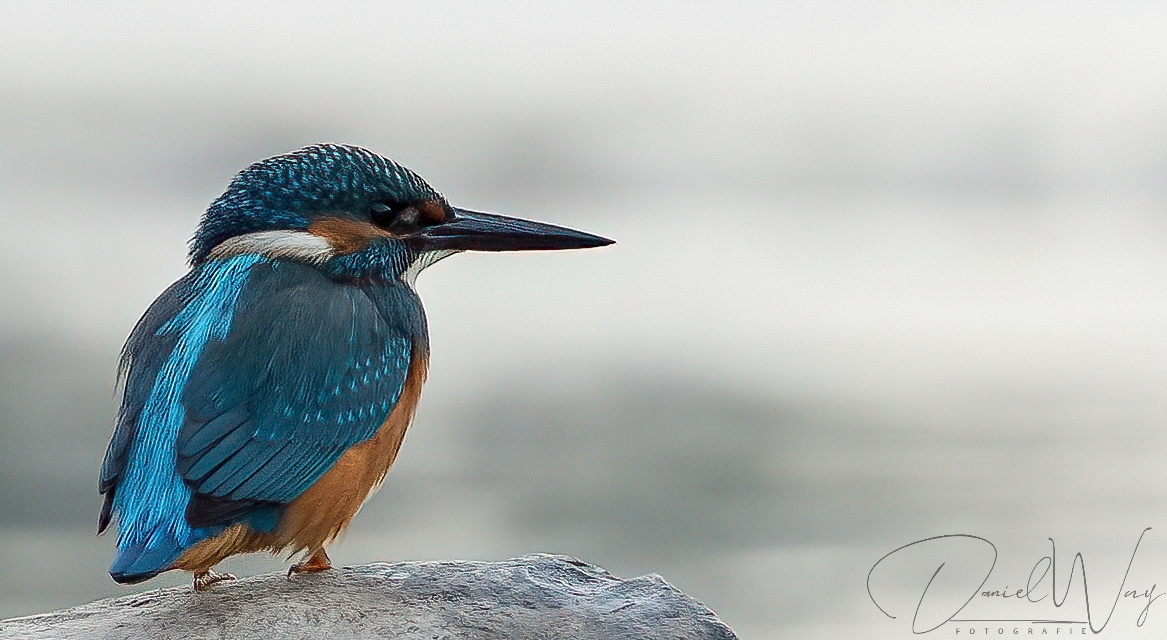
x,y
286,245
423,261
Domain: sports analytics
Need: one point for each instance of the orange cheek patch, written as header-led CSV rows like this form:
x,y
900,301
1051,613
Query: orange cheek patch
x,y
347,236
431,212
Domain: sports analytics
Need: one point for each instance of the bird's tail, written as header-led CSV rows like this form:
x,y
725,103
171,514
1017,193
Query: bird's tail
x,y
144,559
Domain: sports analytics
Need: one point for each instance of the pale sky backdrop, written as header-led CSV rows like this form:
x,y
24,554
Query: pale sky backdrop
x,y
884,271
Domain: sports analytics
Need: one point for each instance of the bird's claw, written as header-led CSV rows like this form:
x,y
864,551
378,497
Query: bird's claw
x,y
316,562
204,579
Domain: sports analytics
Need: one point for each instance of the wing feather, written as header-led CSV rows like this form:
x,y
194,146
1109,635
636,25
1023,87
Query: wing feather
x,y
309,368
141,360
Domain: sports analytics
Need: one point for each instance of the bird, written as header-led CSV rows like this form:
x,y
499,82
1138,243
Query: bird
x,y
265,394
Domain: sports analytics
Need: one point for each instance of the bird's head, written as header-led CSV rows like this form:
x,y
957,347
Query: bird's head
x,y
356,213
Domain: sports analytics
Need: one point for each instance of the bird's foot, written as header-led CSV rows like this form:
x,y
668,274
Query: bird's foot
x,y
316,562
204,579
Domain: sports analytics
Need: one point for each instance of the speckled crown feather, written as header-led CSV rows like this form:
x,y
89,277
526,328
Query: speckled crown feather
x,y
287,191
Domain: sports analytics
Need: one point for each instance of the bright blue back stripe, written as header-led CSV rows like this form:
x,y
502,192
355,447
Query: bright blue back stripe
x,y
151,497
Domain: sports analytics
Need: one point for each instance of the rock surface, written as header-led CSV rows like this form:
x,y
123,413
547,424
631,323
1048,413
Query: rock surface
x,y
537,596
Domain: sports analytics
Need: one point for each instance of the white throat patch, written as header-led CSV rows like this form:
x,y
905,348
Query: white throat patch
x,y
423,261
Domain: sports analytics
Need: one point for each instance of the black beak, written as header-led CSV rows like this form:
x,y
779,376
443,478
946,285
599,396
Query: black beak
x,y
476,231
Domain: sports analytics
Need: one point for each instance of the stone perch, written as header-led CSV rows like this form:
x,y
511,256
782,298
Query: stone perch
x,y
538,596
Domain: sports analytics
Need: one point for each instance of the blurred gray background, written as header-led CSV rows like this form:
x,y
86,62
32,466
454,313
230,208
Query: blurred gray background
x,y
884,271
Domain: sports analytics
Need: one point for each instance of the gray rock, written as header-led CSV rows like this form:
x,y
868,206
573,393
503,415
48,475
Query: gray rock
x,y
537,596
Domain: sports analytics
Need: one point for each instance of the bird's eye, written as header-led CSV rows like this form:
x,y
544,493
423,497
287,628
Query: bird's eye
x,y
406,218
384,215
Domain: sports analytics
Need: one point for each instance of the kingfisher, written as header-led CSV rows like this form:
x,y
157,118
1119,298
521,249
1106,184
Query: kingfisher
x,y
266,393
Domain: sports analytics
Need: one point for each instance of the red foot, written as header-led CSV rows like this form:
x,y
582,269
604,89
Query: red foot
x,y
204,579
318,561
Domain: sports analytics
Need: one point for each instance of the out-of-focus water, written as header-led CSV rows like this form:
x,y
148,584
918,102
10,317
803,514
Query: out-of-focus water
x,y
883,272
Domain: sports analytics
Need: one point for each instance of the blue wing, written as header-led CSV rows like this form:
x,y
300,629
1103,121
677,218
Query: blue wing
x,y
309,368
245,382
142,357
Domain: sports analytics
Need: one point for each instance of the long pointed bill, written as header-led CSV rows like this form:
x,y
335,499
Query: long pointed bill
x,y
477,231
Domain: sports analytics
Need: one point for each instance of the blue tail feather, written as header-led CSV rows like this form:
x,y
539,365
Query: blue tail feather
x,y
142,561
